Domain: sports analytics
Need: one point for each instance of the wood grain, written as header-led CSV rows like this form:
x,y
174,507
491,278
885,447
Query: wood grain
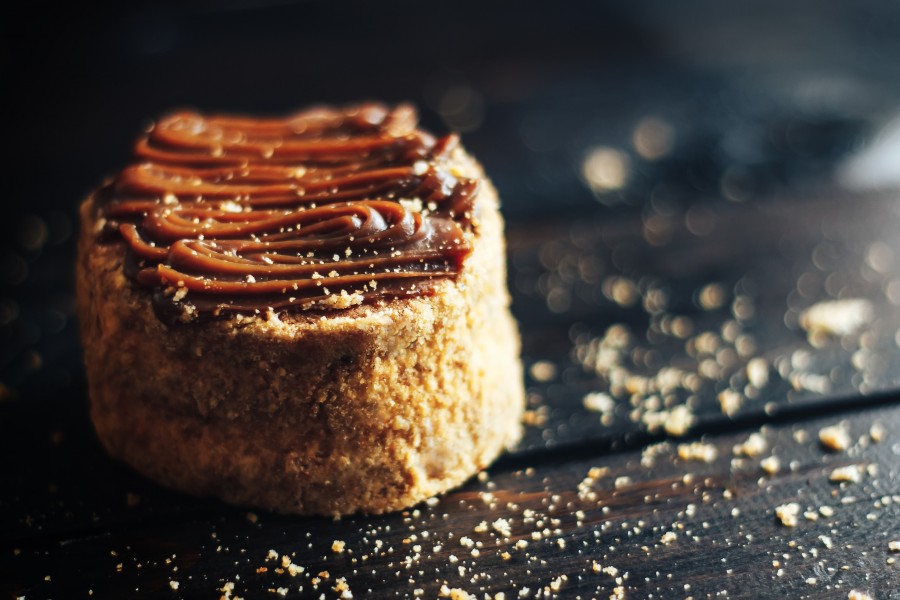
x,y
777,258
669,527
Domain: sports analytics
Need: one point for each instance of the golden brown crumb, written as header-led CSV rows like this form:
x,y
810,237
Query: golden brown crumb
x,y
542,371
730,401
753,446
697,451
835,437
850,473
679,420
455,593
771,465
758,372
787,514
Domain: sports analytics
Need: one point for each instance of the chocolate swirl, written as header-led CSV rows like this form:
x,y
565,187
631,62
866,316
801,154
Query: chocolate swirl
x,y
319,211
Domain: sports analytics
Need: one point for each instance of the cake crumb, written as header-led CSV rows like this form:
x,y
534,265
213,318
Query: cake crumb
x,y
503,527
758,372
850,473
174,584
730,401
836,317
668,537
753,446
771,465
788,513
835,437
542,371
600,402
679,420
698,451
859,595
341,585
338,546
455,593
411,205
894,546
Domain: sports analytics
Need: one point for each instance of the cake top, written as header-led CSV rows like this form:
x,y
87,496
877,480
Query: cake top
x,y
322,210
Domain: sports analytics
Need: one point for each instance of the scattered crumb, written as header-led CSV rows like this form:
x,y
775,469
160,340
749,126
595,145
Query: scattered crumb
x,y
730,401
697,451
174,584
758,372
835,437
851,473
341,585
836,317
338,546
503,527
623,481
894,546
455,593
542,371
859,595
599,402
788,513
771,465
411,205
679,420
753,446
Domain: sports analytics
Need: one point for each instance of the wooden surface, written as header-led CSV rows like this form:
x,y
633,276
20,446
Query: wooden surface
x,y
594,502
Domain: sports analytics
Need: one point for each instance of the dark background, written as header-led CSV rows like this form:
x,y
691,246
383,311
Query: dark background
x,y
759,97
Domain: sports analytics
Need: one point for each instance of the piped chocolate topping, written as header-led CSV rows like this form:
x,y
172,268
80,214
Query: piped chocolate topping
x,y
322,210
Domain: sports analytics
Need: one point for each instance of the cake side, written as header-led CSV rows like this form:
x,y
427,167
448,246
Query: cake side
x,y
371,408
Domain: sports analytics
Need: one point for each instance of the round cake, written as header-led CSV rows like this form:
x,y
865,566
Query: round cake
x,y
306,314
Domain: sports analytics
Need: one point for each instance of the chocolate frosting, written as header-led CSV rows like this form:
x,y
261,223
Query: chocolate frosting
x,y
322,210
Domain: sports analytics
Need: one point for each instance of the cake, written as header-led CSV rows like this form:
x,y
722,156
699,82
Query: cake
x,y
305,314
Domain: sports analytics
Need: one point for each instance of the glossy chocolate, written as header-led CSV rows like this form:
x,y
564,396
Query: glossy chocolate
x,y
323,210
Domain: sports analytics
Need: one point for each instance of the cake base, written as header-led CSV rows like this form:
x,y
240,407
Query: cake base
x,y
372,408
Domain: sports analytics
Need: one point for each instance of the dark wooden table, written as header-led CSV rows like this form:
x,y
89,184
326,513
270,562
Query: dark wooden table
x,y
676,398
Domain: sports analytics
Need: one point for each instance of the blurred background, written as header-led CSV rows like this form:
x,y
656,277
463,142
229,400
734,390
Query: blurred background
x,y
579,109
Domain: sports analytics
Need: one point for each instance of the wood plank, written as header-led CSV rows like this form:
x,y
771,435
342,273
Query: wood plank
x,y
760,265
563,524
